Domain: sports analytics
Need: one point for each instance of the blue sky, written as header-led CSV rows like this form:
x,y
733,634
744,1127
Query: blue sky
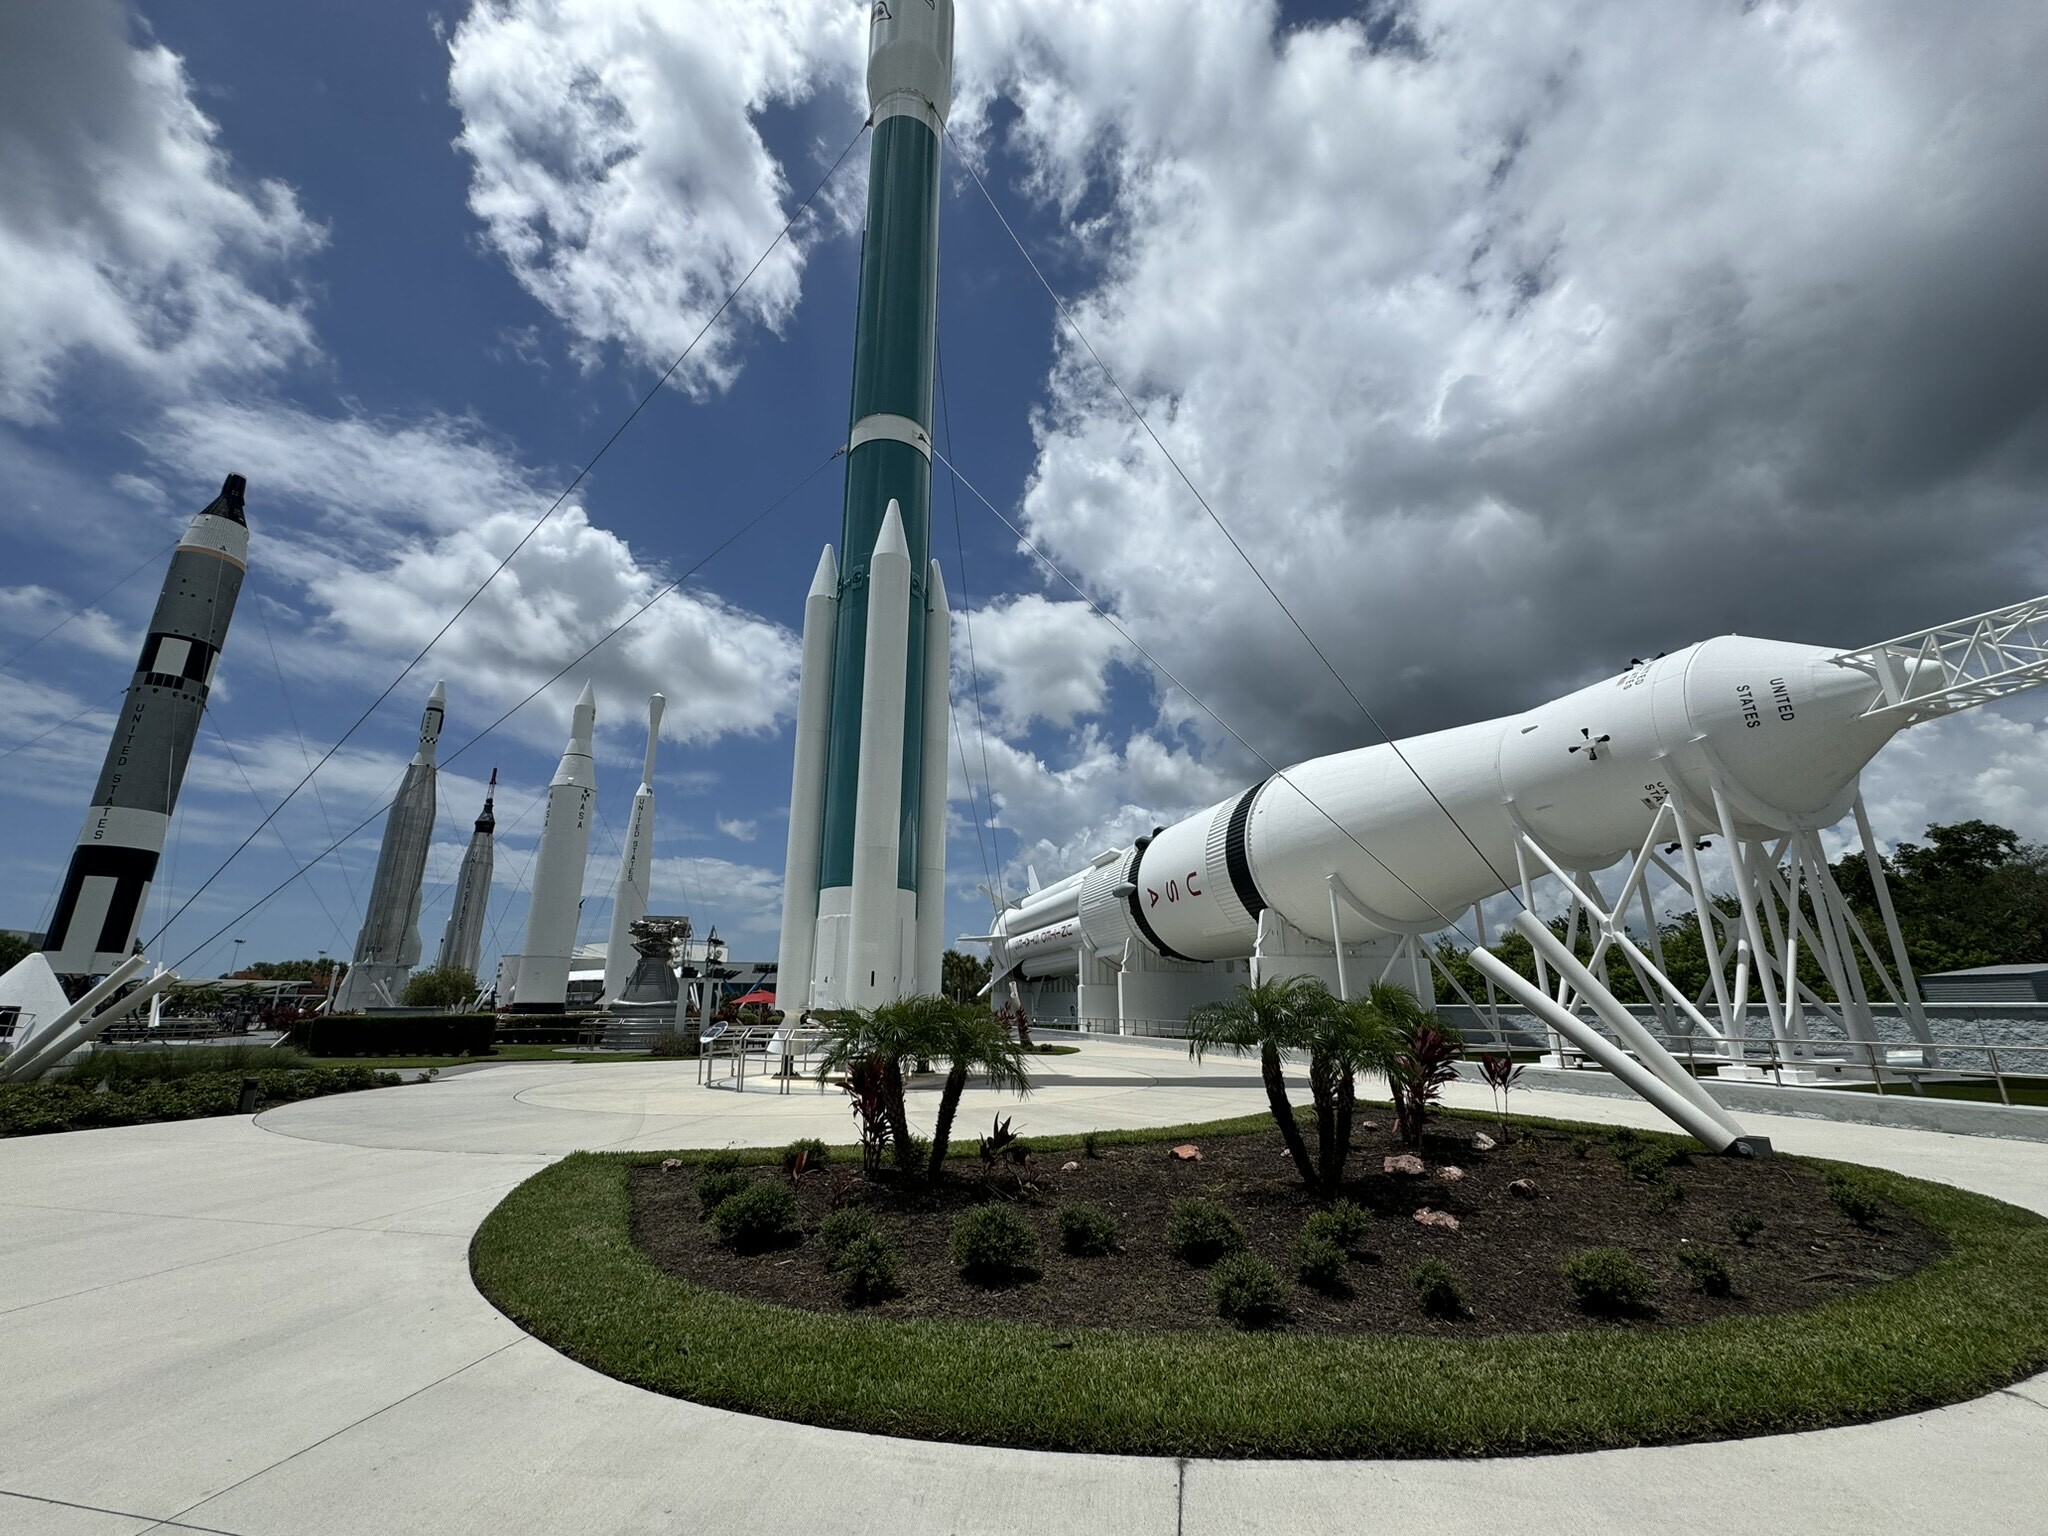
x,y
1512,348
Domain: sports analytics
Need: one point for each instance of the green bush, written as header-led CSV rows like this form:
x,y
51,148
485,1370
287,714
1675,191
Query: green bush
x,y
28,1109
714,1189
840,1228
1608,1281
813,1151
1708,1269
1341,1223
1201,1231
1319,1263
1091,1144
1648,1160
669,1045
724,1160
1086,1231
1853,1197
441,986
119,1067
1438,1289
1665,1198
1746,1228
763,1215
993,1245
1248,1293
420,1034
866,1267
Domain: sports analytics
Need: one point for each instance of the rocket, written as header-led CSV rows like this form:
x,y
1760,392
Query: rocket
x,y
863,889
1401,838
99,907
462,939
388,947
636,864
542,982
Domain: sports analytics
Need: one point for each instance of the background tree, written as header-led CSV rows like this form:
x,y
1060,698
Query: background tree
x,y
962,976
444,986
294,970
12,952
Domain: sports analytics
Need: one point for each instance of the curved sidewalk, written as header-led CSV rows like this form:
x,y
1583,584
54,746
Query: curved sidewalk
x,y
267,1328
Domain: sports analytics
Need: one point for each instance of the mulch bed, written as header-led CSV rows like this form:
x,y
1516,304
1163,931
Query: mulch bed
x,y
1507,1250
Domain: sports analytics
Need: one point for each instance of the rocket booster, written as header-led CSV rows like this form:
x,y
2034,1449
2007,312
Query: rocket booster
x,y
636,866
388,947
99,907
1780,728
543,980
463,937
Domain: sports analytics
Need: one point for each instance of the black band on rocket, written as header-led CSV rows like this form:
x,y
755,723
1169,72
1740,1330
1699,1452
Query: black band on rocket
x,y
1235,859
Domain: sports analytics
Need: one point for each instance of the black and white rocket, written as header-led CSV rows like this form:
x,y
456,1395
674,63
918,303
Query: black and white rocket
x,y
462,940
388,947
99,907
636,867
864,882
540,983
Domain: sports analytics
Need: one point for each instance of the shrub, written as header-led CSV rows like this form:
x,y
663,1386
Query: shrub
x,y
1438,1289
813,1151
1319,1263
1341,1223
1086,1231
1581,1147
1746,1228
993,1245
1854,1198
1666,1197
1648,1160
421,1034
671,1044
443,986
760,1216
714,1189
1247,1291
1201,1231
1608,1281
725,1160
1091,1144
840,1229
1708,1269
866,1267
50,1105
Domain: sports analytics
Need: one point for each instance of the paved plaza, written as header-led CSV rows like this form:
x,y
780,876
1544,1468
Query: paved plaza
x,y
266,1327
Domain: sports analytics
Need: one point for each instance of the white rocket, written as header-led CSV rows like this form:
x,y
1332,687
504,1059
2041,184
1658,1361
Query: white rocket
x,y
869,940
636,865
542,982
1752,740
388,947
463,937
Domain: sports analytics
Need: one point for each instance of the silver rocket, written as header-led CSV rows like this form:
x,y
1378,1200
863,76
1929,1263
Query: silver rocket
x,y
389,945
99,906
462,940
542,983
636,867
866,869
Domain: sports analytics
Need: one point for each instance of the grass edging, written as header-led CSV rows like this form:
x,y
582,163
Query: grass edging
x,y
557,1258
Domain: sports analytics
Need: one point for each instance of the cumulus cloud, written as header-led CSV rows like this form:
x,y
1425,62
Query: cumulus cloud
x,y
1039,659
34,612
738,830
399,523
125,233
617,162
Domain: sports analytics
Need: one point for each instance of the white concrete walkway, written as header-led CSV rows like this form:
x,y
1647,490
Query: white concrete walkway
x,y
267,1328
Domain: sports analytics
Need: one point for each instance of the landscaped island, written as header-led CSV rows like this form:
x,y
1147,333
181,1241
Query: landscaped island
x,y
1596,1290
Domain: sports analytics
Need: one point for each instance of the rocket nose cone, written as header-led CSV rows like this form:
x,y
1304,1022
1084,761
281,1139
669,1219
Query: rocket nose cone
x,y
891,540
228,503
438,699
826,582
588,696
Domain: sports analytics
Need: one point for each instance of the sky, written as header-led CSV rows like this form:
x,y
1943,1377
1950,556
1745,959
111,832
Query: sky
x,y
1511,342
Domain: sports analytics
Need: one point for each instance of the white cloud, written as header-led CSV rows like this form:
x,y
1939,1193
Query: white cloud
x,y
32,612
408,519
618,166
1038,659
736,829
1986,764
125,233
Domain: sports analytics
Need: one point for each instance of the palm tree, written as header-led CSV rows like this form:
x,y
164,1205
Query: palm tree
x,y
1268,1017
971,1040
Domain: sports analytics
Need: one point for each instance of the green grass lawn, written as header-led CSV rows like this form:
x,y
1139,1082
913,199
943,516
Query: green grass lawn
x,y
2023,1090
557,1258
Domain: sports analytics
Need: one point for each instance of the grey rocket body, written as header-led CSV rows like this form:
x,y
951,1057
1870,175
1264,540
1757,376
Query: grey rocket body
x,y
388,947
99,907
462,939
540,983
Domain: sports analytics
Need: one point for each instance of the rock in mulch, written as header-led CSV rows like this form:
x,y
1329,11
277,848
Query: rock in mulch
x,y
1428,1218
1449,1174
1186,1152
1523,1189
1069,1167
1483,1143
671,1164
1404,1162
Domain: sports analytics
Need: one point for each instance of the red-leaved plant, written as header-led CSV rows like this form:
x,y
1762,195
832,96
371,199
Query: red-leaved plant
x,y
1417,1072
1501,1074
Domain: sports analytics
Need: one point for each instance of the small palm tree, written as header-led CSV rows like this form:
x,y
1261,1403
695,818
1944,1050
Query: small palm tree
x,y
970,1040
1268,1018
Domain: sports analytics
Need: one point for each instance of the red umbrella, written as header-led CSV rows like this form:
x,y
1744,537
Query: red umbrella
x,y
758,995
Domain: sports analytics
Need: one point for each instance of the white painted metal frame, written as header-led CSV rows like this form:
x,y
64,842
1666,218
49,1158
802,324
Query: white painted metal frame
x,y
1969,662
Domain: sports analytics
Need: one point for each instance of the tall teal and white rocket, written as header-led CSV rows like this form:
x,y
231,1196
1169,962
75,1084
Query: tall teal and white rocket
x,y
863,912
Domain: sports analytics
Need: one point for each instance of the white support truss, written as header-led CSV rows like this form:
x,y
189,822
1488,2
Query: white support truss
x,y
1957,666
